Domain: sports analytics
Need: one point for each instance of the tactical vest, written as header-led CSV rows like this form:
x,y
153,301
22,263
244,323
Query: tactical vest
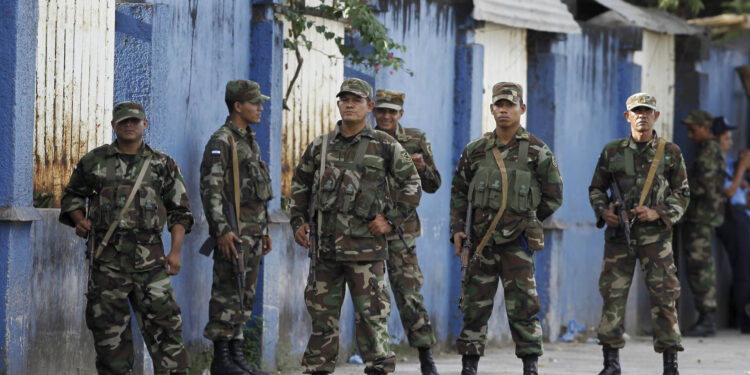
x,y
147,212
524,192
631,184
355,187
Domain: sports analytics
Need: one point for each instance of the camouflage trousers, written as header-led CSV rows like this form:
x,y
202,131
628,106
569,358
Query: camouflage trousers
x,y
108,317
657,265
701,274
225,320
406,282
372,305
513,264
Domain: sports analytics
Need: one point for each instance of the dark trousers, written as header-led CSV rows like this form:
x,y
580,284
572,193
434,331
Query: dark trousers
x,y
733,234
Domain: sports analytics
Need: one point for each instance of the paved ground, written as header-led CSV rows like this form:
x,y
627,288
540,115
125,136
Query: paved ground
x,y
728,353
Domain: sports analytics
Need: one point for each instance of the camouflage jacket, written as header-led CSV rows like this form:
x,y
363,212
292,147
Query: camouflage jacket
x,y
414,141
706,178
545,197
217,184
106,177
350,195
669,194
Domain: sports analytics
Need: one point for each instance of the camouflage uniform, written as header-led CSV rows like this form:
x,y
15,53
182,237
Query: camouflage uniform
x,y
131,266
404,273
225,320
705,212
509,254
350,194
669,196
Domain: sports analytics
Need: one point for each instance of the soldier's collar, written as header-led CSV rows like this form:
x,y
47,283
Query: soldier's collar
x,y
630,142
249,132
401,133
144,150
493,141
367,131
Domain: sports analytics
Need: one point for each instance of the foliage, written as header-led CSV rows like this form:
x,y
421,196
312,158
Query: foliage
x,y
361,24
737,6
684,8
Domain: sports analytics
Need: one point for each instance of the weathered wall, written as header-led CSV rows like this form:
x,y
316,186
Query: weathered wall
x,y
17,67
577,89
657,59
428,30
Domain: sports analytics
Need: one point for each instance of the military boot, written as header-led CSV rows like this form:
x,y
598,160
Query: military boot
x,y
705,326
611,361
470,363
530,365
670,362
320,373
426,364
222,363
373,371
235,348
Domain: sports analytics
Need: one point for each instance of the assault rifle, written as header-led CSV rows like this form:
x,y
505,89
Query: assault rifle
x,y
465,249
90,249
238,263
389,205
621,213
313,236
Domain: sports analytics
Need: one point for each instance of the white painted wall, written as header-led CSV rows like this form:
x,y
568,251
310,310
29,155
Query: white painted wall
x,y
657,61
312,103
74,86
505,59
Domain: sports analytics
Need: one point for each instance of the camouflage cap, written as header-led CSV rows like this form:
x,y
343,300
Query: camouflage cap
x,y
244,91
508,91
389,99
641,99
126,110
357,87
698,117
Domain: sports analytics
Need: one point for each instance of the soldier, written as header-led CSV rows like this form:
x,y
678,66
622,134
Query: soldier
x,y
705,212
234,142
346,171
403,268
652,204
133,190
511,179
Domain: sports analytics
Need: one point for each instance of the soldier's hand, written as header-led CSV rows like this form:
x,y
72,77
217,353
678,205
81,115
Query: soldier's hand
x,y
610,217
172,263
226,245
83,227
744,160
301,236
379,226
418,160
643,213
458,241
266,244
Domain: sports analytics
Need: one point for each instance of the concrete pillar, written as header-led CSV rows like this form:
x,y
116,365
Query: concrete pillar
x,y
18,22
467,125
267,68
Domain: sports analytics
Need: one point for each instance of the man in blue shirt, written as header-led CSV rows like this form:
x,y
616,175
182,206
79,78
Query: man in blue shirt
x,y
736,223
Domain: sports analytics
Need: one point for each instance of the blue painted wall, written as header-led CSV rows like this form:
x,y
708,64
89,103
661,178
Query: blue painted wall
x,y
18,19
428,30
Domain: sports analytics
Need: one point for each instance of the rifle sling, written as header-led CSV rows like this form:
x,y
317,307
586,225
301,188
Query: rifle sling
x,y
496,219
125,208
319,214
236,178
652,171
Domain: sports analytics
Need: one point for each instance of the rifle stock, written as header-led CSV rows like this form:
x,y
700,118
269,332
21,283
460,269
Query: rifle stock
x,y
313,236
621,215
465,249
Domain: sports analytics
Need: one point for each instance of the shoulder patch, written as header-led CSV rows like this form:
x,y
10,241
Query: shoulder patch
x,y
428,149
405,157
215,152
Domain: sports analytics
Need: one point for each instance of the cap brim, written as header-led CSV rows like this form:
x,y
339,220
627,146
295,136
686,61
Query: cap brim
x,y
504,97
389,106
351,92
643,105
261,99
121,118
